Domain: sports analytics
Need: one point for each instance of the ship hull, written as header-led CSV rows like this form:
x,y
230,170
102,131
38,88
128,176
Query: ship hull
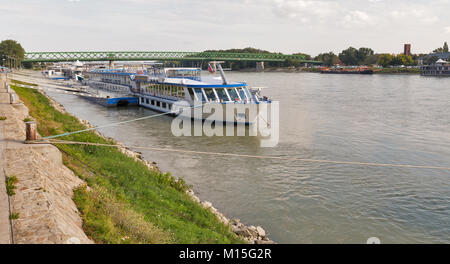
x,y
236,113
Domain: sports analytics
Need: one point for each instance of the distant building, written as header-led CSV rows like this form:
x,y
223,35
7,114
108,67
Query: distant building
x,y
435,56
407,50
439,68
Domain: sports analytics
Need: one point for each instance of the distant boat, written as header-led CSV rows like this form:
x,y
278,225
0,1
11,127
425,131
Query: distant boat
x,y
359,70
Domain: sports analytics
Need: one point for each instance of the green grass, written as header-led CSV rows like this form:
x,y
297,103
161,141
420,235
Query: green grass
x,y
398,70
158,198
2,118
27,119
311,70
11,185
112,221
21,82
14,216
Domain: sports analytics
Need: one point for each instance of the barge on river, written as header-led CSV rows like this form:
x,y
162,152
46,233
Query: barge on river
x,y
342,70
179,91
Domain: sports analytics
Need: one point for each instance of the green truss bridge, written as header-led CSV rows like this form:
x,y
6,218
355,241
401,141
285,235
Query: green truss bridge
x,y
157,55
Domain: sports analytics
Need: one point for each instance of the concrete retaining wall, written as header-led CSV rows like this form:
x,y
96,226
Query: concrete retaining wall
x,y
43,199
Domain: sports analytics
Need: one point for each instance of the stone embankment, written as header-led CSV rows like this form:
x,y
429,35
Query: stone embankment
x,y
251,234
42,207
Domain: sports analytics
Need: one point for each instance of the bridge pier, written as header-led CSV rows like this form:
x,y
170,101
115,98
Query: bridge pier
x,y
260,66
111,64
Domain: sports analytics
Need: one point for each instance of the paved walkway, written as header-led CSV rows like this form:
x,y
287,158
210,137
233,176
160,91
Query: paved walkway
x,y
5,226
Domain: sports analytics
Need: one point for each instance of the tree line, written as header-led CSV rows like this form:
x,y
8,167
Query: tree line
x,y
350,56
365,56
11,53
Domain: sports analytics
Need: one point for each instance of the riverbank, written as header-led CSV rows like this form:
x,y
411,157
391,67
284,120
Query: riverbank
x,y
377,71
318,70
122,189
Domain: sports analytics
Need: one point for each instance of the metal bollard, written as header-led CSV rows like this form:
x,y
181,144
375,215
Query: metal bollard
x,y
31,131
14,99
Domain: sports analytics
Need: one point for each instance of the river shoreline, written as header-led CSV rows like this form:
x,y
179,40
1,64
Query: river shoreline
x,y
387,71
250,234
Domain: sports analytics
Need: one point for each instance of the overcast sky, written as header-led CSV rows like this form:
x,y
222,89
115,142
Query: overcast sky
x,y
286,26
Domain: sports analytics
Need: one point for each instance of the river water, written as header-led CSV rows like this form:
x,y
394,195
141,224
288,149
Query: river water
x,y
401,119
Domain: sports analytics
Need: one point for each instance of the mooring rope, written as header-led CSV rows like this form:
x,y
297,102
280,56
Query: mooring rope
x,y
247,155
122,122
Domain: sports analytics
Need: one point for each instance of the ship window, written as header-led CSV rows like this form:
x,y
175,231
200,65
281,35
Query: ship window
x,y
164,105
170,106
191,93
153,102
210,94
174,90
222,94
200,95
158,104
233,94
147,101
181,92
247,93
241,93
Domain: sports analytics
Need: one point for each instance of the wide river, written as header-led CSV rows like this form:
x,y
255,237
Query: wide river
x,y
399,119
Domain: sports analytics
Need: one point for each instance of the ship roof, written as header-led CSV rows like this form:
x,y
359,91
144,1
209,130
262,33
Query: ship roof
x,y
182,69
209,82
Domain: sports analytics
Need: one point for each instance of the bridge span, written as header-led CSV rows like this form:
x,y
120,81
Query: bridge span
x,y
158,55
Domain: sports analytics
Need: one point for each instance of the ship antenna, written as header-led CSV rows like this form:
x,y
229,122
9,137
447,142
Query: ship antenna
x,y
224,79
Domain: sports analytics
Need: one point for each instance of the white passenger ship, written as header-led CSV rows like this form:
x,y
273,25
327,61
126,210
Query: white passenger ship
x,y
179,90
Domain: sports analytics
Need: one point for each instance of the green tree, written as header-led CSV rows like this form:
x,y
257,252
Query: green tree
x,y
362,54
305,56
328,59
430,60
349,56
11,53
402,59
385,60
371,60
441,49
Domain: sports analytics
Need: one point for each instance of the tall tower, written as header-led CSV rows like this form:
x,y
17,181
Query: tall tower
x,y
407,50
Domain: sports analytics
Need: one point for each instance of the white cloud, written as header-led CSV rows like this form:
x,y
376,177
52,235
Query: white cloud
x,y
358,18
305,10
310,26
411,15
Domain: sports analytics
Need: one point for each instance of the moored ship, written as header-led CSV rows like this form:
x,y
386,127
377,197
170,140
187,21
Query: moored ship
x,y
180,91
